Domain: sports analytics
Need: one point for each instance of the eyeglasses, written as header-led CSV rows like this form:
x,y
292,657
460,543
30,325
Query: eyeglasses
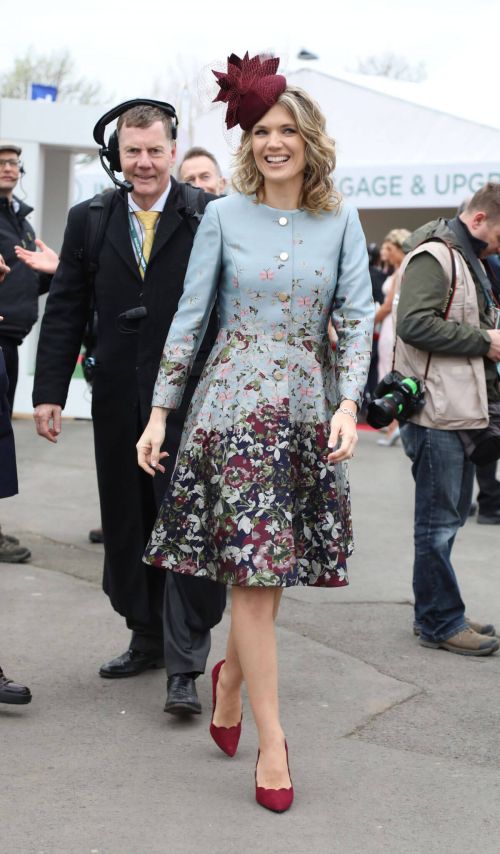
x,y
9,162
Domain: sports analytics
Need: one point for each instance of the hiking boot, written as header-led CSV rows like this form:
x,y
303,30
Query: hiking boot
x,y
465,642
9,538
12,552
11,692
487,629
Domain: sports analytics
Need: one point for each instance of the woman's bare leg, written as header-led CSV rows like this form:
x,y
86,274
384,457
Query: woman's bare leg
x,y
253,635
228,707
278,593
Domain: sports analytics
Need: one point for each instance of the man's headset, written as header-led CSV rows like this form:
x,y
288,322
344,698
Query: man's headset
x,y
111,151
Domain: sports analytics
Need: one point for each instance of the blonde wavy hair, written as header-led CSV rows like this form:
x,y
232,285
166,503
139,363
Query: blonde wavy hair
x,y
397,236
318,191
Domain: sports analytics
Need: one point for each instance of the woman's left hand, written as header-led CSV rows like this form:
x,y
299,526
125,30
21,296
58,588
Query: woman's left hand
x,y
343,430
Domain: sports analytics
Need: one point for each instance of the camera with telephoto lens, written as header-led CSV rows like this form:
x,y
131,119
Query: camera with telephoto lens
x,y
397,397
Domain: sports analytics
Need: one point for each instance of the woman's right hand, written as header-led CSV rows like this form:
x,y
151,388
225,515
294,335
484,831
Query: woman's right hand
x,y
148,446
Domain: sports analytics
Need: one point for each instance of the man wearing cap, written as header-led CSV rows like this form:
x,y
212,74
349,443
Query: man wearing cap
x,y
19,292
10,691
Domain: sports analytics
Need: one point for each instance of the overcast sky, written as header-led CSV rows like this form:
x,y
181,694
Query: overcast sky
x,y
129,46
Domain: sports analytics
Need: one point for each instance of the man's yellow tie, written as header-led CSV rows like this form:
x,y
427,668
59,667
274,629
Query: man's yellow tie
x,y
148,221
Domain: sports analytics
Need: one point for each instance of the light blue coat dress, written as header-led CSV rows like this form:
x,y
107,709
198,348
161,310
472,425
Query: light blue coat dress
x,y
253,499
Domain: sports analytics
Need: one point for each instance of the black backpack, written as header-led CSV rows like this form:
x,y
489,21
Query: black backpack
x,y
100,209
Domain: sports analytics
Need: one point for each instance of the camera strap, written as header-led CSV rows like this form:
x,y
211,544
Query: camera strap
x,y
473,261
451,290
448,301
98,214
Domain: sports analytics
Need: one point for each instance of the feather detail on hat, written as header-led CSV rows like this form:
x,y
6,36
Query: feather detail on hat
x,y
249,87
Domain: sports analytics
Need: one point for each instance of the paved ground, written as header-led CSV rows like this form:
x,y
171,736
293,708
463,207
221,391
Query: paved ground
x,y
394,748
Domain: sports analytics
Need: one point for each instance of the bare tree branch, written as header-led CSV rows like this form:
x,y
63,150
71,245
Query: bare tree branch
x,y
54,70
392,65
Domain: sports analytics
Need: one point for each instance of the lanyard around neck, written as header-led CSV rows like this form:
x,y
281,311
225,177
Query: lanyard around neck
x,y
137,242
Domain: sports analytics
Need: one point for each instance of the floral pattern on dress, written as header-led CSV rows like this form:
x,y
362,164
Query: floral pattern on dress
x,y
253,500
257,505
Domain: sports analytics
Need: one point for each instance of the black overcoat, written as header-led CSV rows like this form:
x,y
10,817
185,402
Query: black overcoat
x,y
21,288
8,473
128,356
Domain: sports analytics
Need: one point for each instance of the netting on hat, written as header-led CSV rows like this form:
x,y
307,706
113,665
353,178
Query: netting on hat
x,y
207,92
246,88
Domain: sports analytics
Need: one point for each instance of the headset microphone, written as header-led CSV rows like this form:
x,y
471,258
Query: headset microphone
x,y
125,185
111,151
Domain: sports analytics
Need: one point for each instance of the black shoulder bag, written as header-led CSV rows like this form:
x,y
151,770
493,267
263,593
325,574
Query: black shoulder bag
x,y
97,219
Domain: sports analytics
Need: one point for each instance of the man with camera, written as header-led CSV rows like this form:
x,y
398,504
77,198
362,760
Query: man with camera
x,y
145,234
448,337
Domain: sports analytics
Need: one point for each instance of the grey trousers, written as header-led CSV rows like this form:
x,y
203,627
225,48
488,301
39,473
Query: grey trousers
x,y
187,608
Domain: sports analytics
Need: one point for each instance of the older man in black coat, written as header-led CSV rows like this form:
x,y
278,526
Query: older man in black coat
x,y
137,288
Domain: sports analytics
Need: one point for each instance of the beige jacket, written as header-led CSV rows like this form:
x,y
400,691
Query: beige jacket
x,y
455,386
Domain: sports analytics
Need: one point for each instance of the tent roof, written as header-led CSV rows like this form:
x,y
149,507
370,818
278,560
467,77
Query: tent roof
x,y
374,121
373,126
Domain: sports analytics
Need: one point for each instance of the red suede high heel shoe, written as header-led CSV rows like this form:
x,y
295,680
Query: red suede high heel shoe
x,y
225,737
277,800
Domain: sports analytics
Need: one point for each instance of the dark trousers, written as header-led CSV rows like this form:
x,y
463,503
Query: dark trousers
x,y
488,497
169,614
11,356
185,610
444,479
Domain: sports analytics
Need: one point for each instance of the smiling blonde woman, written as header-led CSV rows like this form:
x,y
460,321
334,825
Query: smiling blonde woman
x,y
260,496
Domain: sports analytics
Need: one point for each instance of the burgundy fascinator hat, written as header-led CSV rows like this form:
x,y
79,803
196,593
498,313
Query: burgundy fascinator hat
x,y
250,87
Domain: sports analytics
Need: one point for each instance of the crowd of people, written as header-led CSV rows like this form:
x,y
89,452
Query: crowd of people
x,y
223,417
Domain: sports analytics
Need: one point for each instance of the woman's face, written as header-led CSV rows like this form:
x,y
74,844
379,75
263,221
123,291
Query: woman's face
x,y
385,251
278,147
395,254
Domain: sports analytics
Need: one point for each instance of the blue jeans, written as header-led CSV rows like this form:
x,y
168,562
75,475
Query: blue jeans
x,y
444,479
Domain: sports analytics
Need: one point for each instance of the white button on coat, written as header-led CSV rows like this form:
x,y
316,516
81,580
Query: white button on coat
x,y
283,220
283,256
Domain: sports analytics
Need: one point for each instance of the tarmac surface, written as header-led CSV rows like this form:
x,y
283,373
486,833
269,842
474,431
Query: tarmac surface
x,y
393,748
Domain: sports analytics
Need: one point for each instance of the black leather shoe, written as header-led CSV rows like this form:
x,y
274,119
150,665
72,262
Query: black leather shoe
x,y
182,697
131,663
11,692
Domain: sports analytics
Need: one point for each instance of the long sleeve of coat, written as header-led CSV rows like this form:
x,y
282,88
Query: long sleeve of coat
x,y
193,314
63,324
353,313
